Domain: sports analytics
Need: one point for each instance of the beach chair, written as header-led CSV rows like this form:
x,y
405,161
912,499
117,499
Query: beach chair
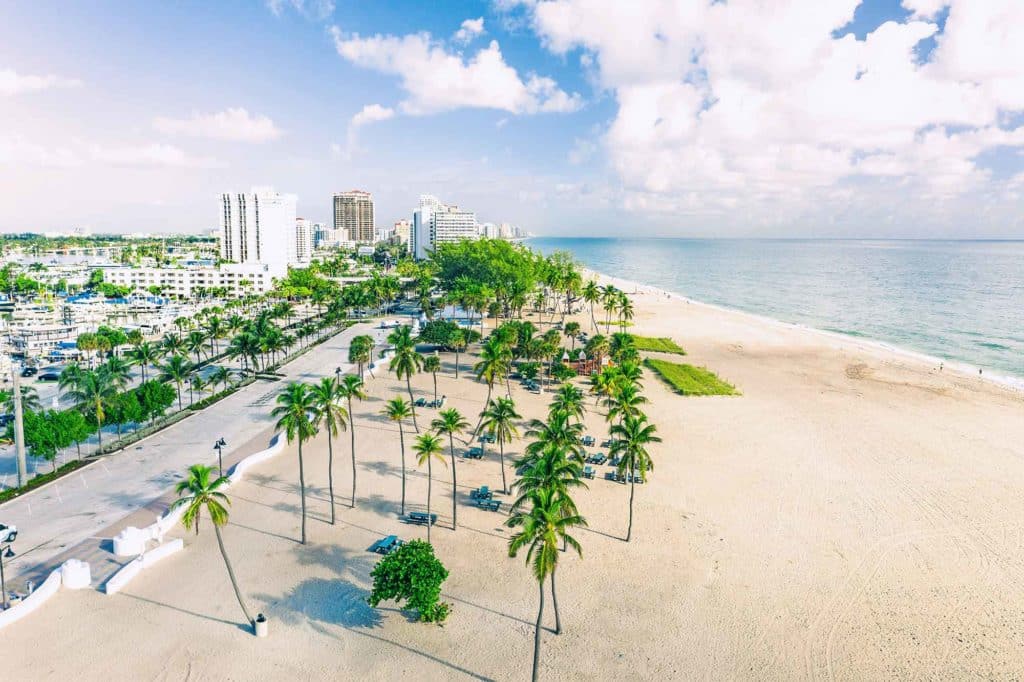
x,y
420,402
600,459
588,472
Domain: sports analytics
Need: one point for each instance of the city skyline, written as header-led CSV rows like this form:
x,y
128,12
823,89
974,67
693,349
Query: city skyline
x,y
827,119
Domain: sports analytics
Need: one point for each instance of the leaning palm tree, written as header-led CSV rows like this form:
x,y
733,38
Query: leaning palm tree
x,y
541,529
500,421
176,369
632,437
334,418
397,410
432,364
296,416
450,422
351,387
427,447
196,493
406,361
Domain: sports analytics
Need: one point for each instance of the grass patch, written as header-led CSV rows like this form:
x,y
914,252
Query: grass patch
x,y
657,344
690,380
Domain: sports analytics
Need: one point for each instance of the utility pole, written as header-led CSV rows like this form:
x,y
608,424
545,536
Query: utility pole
x,y
19,427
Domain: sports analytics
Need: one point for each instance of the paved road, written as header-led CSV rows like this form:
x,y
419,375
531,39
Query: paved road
x,y
79,506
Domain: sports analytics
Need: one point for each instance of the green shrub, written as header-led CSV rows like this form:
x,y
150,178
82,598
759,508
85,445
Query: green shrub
x,y
412,573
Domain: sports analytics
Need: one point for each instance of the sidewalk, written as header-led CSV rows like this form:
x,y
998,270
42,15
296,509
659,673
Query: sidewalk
x,y
84,506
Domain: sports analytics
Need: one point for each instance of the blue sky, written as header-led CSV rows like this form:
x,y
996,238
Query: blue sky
x,y
661,117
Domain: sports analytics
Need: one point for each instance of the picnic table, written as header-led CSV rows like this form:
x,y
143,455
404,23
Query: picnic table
x,y
475,453
422,518
481,493
386,545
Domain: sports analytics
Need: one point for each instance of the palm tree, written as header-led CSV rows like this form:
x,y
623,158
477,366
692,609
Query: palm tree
x,y
450,422
215,329
334,417
571,330
94,391
568,400
144,355
432,364
632,437
360,351
541,529
558,431
495,358
406,361
609,299
458,342
351,387
396,410
117,372
427,447
29,400
196,493
499,421
176,369
624,401
198,384
221,376
624,309
296,416
592,294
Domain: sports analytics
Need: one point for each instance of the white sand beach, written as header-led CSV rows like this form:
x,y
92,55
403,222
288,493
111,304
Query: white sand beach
x,y
854,514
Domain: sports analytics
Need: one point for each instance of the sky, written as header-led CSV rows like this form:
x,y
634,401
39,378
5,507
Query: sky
x,y
697,118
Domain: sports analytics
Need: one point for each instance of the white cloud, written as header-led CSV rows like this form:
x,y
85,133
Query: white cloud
x,y
371,113
470,29
437,80
756,108
17,150
234,124
311,9
13,83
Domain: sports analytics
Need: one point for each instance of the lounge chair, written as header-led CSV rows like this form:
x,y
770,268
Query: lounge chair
x,y
600,458
588,472
611,475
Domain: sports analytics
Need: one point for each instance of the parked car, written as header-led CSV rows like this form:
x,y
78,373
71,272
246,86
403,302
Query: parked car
x,y
29,372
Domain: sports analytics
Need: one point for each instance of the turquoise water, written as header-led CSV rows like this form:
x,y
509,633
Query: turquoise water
x,y
962,301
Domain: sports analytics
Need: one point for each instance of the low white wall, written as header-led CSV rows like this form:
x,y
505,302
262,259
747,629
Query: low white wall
x,y
35,600
127,573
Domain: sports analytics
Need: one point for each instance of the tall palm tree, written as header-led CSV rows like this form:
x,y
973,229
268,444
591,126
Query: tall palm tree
x,y
495,360
221,376
334,417
571,330
458,343
541,529
406,361
625,401
351,387
94,391
198,492
500,421
559,431
568,400
215,330
296,416
29,400
450,422
144,355
432,364
427,447
609,299
632,437
117,371
624,309
591,294
176,369
397,410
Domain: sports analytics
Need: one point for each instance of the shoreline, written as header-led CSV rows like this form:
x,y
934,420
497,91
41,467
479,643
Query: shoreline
x,y
960,369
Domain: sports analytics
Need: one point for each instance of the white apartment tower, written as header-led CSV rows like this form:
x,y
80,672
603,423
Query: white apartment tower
x,y
303,240
435,223
259,227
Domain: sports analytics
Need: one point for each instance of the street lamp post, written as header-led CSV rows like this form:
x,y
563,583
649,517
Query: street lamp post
x,y
6,552
218,446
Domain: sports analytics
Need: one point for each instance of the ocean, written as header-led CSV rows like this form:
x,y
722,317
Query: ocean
x,y
959,301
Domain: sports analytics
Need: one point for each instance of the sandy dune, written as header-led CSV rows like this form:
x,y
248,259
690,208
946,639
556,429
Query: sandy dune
x,y
855,514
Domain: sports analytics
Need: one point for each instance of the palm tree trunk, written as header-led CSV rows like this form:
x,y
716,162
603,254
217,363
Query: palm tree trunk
x,y
501,454
352,433
99,434
456,363
536,633
231,574
490,387
401,440
554,601
430,481
330,472
435,386
412,406
632,488
302,491
451,448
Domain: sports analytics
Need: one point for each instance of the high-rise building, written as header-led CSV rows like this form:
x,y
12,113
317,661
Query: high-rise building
x,y
435,223
401,231
353,215
259,227
303,240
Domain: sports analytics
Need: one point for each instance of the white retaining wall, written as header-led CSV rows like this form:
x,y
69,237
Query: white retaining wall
x,y
42,593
